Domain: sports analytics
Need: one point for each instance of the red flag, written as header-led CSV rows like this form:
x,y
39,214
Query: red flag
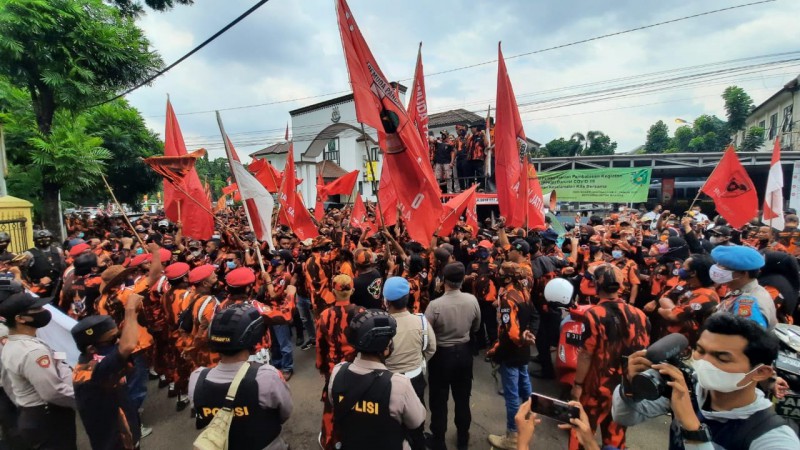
x,y
358,217
405,152
472,212
175,169
418,105
388,199
732,190
197,222
453,210
773,197
534,206
266,174
229,189
293,212
343,185
508,131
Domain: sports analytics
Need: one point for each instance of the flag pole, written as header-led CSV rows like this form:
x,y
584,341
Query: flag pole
x,y
116,202
244,201
372,173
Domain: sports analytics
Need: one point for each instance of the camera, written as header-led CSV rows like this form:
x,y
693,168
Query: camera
x,y
650,385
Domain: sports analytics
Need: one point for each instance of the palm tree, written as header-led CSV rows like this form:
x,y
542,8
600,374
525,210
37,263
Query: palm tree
x,y
585,141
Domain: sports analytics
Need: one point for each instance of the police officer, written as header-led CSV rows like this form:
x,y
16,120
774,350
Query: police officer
x,y
46,263
453,317
8,408
370,404
262,402
40,379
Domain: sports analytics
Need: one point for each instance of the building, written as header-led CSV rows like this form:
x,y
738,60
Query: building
x,y
447,121
776,117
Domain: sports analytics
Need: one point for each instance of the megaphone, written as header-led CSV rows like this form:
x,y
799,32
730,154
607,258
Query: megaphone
x,y
550,201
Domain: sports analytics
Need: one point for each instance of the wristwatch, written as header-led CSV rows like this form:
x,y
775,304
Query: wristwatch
x,y
702,434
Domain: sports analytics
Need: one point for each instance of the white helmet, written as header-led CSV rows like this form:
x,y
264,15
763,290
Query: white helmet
x,y
559,291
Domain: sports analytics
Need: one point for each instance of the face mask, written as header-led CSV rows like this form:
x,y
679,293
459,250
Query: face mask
x,y
712,378
664,238
169,246
3,246
139,251
230,264
616,254
715,240
621,209
684,274
483,254
719,275
196,253
40,319
80,235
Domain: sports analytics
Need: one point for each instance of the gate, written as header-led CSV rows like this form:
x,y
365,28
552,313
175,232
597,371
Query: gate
x,y
17,229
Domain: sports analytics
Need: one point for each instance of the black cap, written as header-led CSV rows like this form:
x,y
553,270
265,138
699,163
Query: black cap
x,y
721,231
19,303
237,327
454,272
89,330
84,264
9,287
371,331
522,246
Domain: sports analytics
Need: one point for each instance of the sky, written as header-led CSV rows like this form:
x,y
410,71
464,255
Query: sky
x,y
288,54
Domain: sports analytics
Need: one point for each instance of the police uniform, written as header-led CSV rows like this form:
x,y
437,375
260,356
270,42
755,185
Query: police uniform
x,y
40,381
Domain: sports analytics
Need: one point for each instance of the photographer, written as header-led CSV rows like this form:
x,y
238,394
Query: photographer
x,y
725,409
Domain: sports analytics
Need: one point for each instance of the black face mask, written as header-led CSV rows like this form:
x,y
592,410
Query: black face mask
x,y
3,246
43,243
40,318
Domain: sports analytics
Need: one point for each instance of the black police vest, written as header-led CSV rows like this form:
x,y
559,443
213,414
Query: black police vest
x,y
367,420
46,263
253,427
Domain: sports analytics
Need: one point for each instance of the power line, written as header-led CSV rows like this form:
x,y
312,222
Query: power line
x,y
483,63
191,52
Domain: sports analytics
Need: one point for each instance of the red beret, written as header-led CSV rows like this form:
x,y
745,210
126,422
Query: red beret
x,y
242,276
165,254
140,259
199,274
485,244
78,249
176,270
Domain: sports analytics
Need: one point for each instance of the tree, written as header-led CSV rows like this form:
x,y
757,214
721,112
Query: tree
x,y
600,144
680,142
737,107
215,172
561,148
69,54
710,134
753,141
657,138
134,7
586,140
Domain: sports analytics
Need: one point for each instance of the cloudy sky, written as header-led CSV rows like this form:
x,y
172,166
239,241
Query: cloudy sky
x,y
290,50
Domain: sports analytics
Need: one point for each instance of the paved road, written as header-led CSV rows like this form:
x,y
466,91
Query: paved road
x,y
176,431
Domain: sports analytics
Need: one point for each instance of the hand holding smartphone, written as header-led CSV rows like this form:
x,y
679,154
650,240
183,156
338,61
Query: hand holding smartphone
x,y
555,409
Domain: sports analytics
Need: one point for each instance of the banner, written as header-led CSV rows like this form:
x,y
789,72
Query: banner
x,y
794,198
598,185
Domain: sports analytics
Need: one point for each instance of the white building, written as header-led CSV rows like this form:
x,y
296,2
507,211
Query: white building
x,y
776,117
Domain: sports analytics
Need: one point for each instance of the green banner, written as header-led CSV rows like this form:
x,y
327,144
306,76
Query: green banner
x,y
628,185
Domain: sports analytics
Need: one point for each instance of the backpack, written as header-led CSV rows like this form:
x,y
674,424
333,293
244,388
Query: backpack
x,y
185,319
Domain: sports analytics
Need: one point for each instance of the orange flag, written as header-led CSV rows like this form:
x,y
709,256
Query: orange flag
x,y
293,212
732,190
454,208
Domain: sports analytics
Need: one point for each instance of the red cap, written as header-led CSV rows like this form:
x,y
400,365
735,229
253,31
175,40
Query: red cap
x,y
199,274
165,255
140,259
239,277
485,244
176,270
78,249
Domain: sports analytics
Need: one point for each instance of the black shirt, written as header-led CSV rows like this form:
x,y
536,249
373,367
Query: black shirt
x,y
101,393
442,154
367,289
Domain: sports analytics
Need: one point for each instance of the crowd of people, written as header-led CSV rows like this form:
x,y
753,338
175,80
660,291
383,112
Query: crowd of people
x,y
212,323
462,159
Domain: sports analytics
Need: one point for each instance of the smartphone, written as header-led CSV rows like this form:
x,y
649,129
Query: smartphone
x,y
553,408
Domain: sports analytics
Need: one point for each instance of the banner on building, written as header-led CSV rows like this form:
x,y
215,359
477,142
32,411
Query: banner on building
x,y
794,198
629,185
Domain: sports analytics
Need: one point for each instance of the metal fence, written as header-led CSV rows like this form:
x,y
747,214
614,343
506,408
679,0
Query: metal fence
x,y
17,229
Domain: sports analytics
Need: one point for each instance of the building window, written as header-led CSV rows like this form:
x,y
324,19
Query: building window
x,y
773,126
787,119
331,152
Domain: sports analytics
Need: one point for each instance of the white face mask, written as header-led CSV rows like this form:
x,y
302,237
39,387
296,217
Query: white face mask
x,y
715,240
712,378
719,275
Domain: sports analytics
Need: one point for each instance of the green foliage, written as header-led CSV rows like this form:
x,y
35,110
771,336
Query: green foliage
x,y
680,142
710,134
561,148
599,144
737,107
658,140
753,141
134,7
215,172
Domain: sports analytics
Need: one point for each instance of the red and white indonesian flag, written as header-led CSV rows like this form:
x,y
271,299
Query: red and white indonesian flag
x,y
773,198
258,201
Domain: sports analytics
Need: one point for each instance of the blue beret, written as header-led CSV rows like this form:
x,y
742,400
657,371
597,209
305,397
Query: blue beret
x,y
395,288
738,257
549,234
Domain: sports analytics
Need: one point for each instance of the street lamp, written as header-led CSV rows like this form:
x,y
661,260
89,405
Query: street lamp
x,y
683,122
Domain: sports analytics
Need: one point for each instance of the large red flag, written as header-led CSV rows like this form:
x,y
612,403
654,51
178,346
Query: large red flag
x,y
258,202
534,205
732,190
405,153
507,133
343,185
773,197
418,105
197,222
359,215
293,212
472,212
453,210
266,174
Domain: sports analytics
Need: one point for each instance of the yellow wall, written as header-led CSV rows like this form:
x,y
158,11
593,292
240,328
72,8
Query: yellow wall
x,y
15,208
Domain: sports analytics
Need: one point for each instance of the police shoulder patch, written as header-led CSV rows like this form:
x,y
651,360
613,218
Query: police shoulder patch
x,y
506,318
43,361
696,306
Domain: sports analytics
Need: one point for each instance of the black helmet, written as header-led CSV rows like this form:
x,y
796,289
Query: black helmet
x,y
238,327
371,331
4,237
41,234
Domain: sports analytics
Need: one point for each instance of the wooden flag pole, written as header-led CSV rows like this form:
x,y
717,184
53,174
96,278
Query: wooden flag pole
x,y
128,220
